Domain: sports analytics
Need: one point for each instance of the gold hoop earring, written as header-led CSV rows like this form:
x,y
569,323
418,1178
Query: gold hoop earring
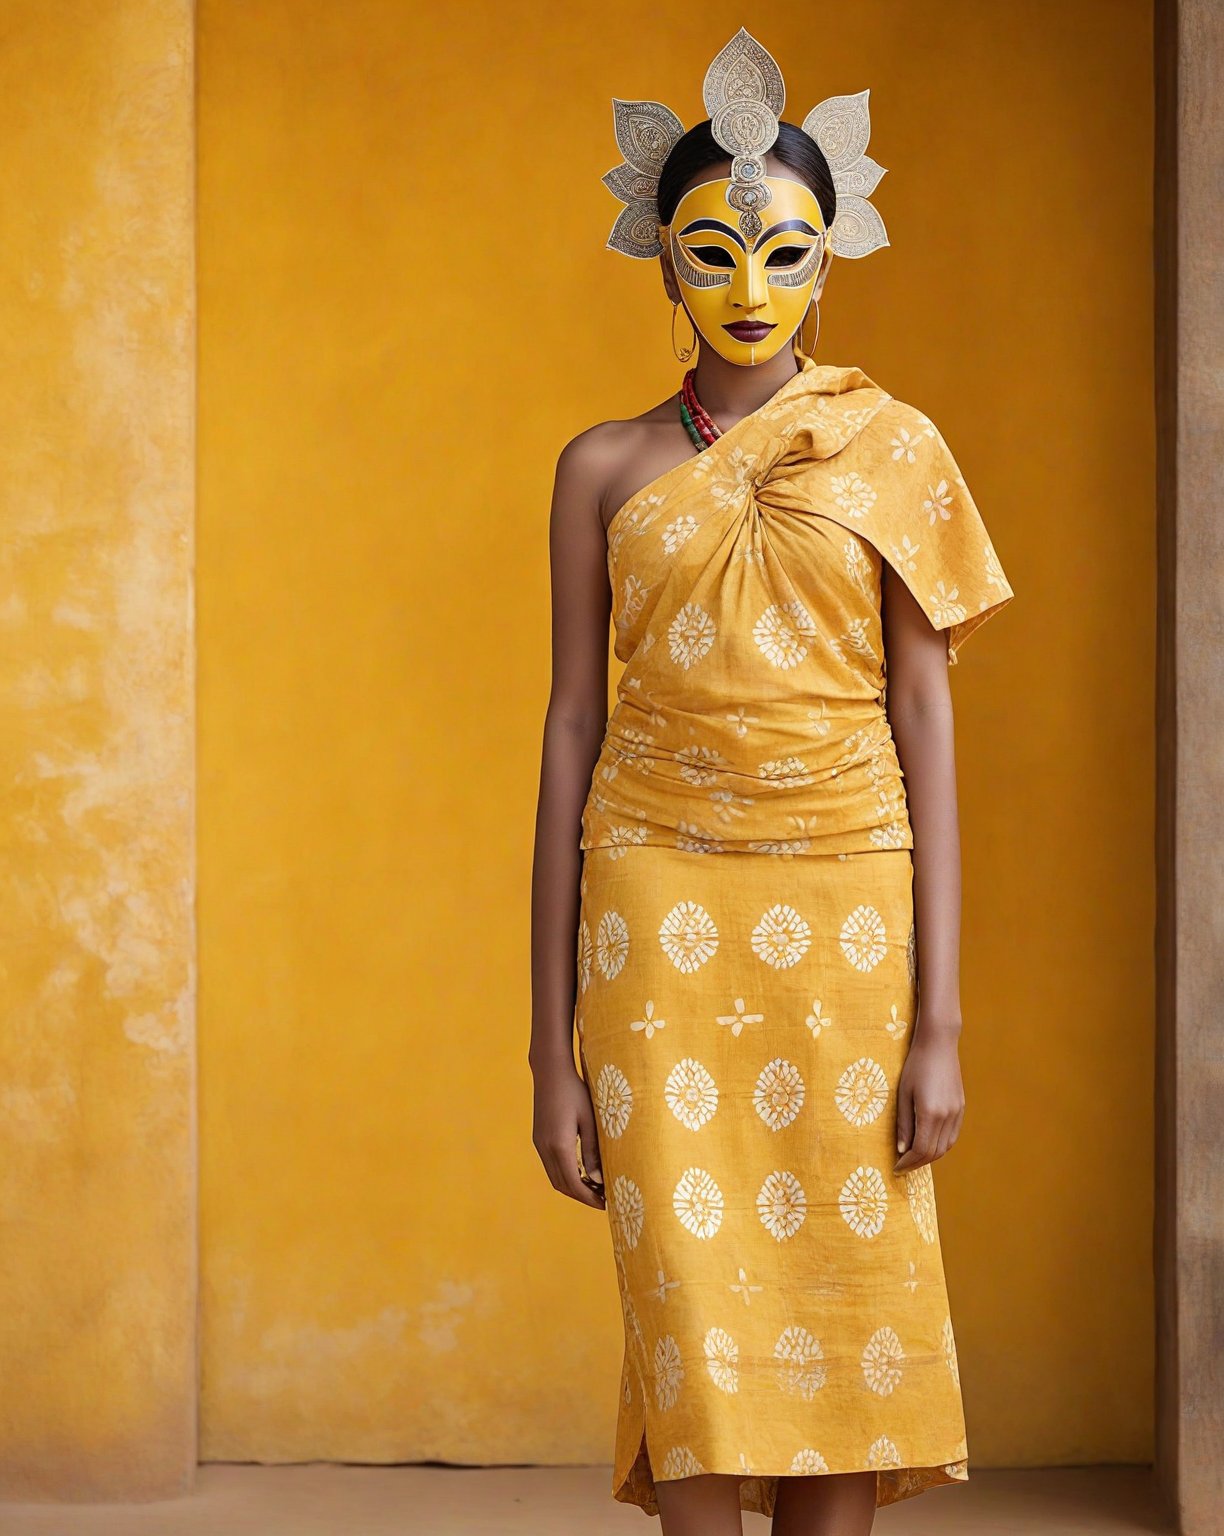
x,y
682,357
801,349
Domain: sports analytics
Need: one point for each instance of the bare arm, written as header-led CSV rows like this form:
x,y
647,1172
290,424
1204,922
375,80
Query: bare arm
x,y
930,1096
573,733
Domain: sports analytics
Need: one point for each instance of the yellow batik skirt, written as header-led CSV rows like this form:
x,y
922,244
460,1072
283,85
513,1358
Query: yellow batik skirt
x,y
743,1020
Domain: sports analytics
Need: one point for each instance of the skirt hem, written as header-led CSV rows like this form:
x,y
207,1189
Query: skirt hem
x,y
758,1491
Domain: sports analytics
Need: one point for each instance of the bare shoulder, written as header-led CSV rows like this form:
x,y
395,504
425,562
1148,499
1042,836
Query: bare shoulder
x,y
607,463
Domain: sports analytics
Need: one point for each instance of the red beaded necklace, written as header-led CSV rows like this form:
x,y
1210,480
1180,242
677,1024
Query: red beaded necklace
x,y
698,422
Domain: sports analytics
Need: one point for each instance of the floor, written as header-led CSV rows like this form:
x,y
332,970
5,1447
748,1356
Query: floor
x,y
325,1500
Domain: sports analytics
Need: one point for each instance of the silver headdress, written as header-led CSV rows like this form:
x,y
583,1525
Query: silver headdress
x,y
744,96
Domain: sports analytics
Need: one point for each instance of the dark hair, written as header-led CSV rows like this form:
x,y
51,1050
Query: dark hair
x,y
697,150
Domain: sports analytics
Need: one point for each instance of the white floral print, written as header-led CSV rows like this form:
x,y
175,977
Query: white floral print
x,y
613,1099
735,1021
735,477
622,838
883,1453
743,1287
789,772
892,835
631,749
781,1204
668,1372
920,1191
691,1093
634,593
948,1340
695,839
944,608
628,1208
858,566
722,1359
903,556
612,944
863,938
585,954
801,1367
699,765
679,532
778,1096
852,494
807,1462
855,639
862,1091
882,1361
689,936
863,1201
938,502
690,635
698,1202
664,1285
781,849
680,1462
649,1022
783,633
782,937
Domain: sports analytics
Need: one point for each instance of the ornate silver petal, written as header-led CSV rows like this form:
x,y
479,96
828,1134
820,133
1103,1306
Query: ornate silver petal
x,y
841,126
861,179
630,185
743,71
645,133
858,229
636,231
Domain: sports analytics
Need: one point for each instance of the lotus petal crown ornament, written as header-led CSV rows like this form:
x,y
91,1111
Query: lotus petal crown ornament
x,y
744,94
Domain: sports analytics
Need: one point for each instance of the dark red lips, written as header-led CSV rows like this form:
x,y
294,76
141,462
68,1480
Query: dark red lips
x,y
748,330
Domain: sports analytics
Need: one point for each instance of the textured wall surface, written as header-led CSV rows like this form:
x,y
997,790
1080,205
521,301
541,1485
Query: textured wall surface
x,y
97,985
401,261
1190,729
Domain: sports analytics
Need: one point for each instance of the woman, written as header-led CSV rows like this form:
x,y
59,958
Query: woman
x,y
791,559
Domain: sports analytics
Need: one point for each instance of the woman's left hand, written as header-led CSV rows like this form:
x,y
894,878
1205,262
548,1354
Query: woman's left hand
x,y
930,1099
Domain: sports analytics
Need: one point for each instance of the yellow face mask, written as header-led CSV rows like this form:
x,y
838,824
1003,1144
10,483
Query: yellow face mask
x,y
747,298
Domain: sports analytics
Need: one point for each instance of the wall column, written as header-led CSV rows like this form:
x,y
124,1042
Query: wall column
x,y
1190,782
98,1257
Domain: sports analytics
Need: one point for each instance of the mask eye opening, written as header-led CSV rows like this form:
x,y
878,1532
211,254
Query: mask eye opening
x,y
716,256
791,256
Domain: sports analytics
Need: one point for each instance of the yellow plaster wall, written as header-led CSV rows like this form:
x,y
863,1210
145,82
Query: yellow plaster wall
x,y
97,979
401,228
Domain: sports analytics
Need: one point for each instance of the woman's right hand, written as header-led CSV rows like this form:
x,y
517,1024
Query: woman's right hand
x,y
563,1117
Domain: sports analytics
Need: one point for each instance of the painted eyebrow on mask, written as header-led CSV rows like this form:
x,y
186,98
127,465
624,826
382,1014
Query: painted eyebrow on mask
x,y
799,226
723,229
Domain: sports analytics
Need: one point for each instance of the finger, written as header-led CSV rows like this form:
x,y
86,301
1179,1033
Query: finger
x,y
905,1118
567,1182
954,1125
588,1148
571,1178
922,1146
583,1193
926,1134
944,1139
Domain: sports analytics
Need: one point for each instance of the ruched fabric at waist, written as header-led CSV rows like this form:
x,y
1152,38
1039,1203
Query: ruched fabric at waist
x,y
814,777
